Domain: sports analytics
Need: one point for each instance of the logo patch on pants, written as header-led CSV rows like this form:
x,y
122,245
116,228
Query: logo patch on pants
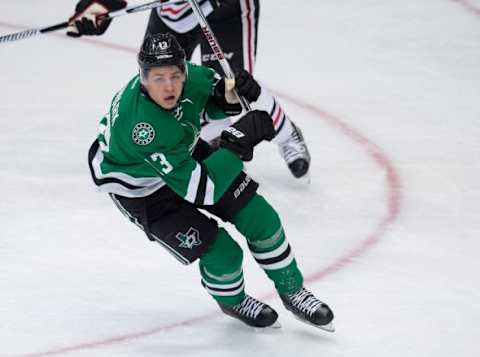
x,y
189,239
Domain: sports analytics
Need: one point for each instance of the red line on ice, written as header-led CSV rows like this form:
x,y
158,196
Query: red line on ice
x,y
394,191
393,207
469,6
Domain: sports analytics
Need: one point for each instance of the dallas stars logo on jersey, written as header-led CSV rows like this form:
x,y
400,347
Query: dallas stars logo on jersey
x,y
143,134
189,239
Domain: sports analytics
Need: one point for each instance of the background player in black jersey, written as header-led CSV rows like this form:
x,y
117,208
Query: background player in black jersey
x,y
235,24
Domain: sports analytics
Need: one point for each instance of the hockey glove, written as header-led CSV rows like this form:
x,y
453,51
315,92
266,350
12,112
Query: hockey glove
x,y
245,85
86,21
227,102
242,136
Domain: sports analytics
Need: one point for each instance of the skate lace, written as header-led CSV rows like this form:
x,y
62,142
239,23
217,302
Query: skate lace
x,y
294,147
305,301
249,307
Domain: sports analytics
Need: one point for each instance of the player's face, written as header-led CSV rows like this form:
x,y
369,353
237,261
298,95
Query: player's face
x,y
164,85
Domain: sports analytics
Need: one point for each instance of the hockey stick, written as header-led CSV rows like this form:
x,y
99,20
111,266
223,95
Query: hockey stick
x,y
217,51
128,10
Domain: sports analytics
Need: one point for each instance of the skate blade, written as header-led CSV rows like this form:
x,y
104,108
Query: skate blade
x,y
305,179
275,326
330,327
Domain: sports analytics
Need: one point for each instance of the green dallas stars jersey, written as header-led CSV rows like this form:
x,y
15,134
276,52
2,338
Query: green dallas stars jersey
x,y
143,147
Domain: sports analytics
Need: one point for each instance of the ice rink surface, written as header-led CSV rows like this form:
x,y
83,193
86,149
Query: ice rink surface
x,y
388,96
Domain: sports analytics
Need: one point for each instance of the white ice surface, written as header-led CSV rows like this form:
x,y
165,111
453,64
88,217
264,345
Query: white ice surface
x,y
388,96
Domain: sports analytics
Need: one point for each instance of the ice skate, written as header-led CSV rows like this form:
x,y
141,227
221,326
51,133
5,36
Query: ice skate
x,y
295,153
252,312
307,308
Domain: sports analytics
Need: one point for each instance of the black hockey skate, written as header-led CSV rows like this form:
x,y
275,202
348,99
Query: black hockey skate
x,y
307,308
295,153
252,312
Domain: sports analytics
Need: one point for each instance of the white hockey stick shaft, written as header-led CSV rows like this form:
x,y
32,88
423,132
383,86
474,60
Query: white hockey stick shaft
x,y
217,51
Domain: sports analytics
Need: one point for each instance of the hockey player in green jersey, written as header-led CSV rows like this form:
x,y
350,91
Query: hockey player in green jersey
x,y
159,173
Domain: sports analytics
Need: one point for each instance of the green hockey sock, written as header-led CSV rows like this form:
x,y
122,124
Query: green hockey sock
x,y
221,270
260,224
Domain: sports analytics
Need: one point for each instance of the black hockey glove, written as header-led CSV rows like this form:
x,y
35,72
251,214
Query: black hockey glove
x,y
230,108
85,20
242,136
245,85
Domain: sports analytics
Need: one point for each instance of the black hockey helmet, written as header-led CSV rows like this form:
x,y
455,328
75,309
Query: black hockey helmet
x,y
160,50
